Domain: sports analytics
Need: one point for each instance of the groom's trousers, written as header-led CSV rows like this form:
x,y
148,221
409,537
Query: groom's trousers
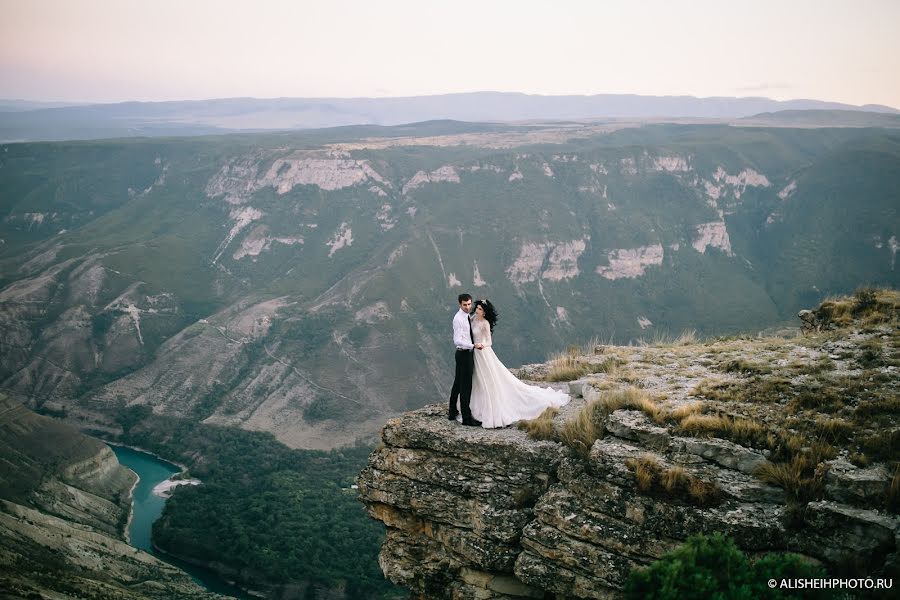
x,y
462,383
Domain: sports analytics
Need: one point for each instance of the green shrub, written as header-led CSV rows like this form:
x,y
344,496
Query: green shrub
x,y
714,568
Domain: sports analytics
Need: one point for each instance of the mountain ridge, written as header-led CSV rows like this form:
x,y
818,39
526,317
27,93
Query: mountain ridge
x,y
201,117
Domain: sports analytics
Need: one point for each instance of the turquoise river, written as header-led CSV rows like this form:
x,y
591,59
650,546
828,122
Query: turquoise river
x,y
147,508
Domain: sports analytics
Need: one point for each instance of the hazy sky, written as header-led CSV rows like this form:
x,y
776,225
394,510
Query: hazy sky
x,y
113,50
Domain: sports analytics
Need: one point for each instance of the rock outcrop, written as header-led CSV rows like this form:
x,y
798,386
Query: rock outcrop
x,y
473,513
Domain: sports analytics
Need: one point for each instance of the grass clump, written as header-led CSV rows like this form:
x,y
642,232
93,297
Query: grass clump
x,y
541,428
741,431
635,399
564,367
581,431
758,389
871,306
685,410
834,430
818,397
883,446
798,467
569,366
587,425
687,337
802,477
672,483
745,367
838,312
871,354
821,365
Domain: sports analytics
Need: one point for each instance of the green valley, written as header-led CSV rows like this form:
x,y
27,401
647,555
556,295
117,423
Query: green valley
x,y
301,283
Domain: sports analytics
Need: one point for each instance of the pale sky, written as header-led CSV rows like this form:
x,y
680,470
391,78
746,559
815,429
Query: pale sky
x,y
116,50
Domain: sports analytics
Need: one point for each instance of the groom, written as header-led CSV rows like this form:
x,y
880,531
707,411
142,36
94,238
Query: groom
x,y
465,362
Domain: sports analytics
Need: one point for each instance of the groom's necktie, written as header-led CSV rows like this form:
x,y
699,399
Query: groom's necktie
x,y
471,336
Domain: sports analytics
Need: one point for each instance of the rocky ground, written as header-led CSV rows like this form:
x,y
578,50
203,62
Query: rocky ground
x,y
784,443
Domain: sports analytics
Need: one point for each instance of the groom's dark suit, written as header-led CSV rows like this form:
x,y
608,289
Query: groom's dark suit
x,y
465,367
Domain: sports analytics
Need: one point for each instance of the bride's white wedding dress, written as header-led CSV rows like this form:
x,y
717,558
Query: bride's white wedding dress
x,y
499,398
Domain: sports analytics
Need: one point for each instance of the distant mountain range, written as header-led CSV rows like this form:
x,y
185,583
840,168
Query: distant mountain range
x,y
34,121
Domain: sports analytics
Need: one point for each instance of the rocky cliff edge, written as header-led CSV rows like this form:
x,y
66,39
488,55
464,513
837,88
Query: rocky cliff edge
x,y
782,443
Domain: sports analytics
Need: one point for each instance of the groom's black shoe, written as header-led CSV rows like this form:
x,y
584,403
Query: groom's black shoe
x,y
451,416
472,422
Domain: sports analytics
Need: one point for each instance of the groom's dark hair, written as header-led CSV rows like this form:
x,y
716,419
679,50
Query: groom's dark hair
x,y
462,298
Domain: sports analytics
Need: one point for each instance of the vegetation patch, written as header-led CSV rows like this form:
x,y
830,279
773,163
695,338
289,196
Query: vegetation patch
x,y
802,477
801,401
687,337
756,390
869,305
540,428
745,367
714,567
672,483
741,431
569,366
580,431
288,515
816,367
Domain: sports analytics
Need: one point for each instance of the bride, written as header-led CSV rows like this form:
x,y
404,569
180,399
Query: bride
x,y
498,397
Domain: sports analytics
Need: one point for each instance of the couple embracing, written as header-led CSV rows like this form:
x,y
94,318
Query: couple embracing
x,y
484,392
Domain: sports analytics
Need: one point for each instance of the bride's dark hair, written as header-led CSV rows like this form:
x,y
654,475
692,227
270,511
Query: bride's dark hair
x,y
490,313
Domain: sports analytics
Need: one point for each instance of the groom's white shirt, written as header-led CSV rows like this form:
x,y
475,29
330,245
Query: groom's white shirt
x,y
461,338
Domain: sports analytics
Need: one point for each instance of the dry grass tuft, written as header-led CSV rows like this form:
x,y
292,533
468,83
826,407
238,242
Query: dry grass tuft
x,y
687,337
836,311
703,424
871,306
645,471
672,483
569,366
757,390
635,399
541,428
821,398
803,478
581,431
673,477
587,426
746,367
685,410
833,430
821,365
626,376
882,446
859,459
738,430
564,367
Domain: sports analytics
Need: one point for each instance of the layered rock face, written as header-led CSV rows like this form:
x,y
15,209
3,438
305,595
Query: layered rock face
x,y
473,513
455,500
64,503
57,470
